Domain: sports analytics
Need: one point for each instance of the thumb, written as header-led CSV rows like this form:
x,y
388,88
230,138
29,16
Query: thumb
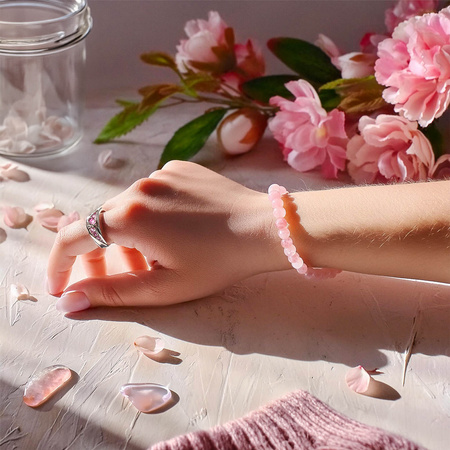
x,y
154,287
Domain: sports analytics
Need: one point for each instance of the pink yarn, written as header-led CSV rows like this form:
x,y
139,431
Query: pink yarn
x,y
276,193
298,421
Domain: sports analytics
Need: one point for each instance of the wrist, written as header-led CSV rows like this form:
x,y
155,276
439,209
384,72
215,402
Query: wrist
x,y
259,245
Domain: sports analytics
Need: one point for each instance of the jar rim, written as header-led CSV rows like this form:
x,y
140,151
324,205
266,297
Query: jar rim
x,y
70,24
83,5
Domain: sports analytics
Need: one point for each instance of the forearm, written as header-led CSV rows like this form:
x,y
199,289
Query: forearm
x,y
398,230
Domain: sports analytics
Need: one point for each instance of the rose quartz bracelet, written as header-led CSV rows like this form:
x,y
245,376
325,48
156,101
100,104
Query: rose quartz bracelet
x,y
276,193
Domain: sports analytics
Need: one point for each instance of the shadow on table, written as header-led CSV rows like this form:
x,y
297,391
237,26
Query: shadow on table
x,y
51,427
348,320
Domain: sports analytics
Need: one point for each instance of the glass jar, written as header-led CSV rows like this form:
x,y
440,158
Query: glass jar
x,y
42,57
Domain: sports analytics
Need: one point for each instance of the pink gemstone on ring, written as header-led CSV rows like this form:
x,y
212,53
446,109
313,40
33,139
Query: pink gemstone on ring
x,y
92,220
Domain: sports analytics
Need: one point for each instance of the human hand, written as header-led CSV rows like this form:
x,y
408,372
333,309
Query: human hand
x,y
184,233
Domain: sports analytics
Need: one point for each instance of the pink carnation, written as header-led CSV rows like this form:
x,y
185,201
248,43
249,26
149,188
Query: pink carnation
x,y
308,135
209,47
415,67
389,148
404,9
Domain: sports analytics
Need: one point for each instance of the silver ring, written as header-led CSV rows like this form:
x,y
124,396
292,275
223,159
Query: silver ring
x,y
93,227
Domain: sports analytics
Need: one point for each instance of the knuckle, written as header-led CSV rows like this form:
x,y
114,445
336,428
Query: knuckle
x,y
176,165
133,210
142,186
155,174
111,296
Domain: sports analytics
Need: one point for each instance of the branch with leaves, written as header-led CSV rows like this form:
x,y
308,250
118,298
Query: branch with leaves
x,y
320,113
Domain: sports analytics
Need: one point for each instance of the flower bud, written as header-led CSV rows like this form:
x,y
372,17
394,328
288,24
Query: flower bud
x,y
241,131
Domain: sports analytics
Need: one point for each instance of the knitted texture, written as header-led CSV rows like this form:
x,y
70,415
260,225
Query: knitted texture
x,y
297,421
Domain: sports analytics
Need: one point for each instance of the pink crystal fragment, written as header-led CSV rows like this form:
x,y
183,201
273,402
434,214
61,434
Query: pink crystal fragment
x,y
49,218
41,386
358,379
146,397
148,345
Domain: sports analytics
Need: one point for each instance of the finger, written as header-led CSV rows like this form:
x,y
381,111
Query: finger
x,y
134,259
94,262
71,241
140,288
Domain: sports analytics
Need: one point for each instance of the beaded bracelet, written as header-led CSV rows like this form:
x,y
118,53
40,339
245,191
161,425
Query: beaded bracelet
x,y
276,193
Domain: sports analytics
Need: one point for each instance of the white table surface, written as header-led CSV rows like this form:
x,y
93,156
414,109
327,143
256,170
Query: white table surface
x,y
227,354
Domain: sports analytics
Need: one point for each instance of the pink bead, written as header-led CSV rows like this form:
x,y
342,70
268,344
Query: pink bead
x,y
297,264
289,251
274,195
294,258
279,213
281,223
286,242
273,187
277,203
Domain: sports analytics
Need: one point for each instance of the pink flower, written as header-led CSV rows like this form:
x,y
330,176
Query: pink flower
x,y
249,64
415,67
404,9
351,65
328,46
209,47
355,64
389,148
308,135
249,60
369,42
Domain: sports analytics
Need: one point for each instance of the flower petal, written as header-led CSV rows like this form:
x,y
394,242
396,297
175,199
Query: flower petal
x,y
106,160
67,220
358,379
43,206
15,217
49,218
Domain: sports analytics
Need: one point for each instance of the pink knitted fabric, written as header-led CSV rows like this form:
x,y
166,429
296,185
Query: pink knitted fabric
x,y
297,421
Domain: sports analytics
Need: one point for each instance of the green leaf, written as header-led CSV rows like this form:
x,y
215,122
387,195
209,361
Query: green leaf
x,y
126,103
124,122
329,99
434,135
201,82
190,138
159,59
357,95
264,88
368,82
308,60
154,95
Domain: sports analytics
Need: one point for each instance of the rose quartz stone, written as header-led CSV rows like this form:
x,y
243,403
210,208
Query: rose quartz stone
x,y
43,385
149,345
146,397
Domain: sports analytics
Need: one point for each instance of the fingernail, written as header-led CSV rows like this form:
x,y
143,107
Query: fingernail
x,y
72,301
48,287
